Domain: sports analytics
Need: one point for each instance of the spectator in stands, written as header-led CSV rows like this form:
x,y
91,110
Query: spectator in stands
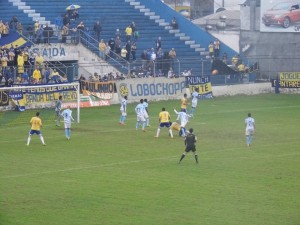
x,y
159,58
39,34
13,23
36,26
11,56
1,75
217,48
20,64
19,28
211,49
102,47
107,51
58,25
80,26
36,75
30,32
118,33
65,32
64,79
224,58
97,29
144,59
25,77
174,23
235,60
4,62
158,43
1,28
112,45
128,49
74,14
47,33
133,51
124,52
128,32
39,61
5,31
46,75
26,56
118,45
55,77
172,57
66,20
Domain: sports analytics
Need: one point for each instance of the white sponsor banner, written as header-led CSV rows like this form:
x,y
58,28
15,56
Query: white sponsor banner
x,y
153,89
280,16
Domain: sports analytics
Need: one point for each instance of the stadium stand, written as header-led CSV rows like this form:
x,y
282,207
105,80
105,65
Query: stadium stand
x,y
152,20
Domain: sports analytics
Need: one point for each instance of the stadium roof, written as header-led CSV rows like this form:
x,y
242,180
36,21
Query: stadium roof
x,y
232,19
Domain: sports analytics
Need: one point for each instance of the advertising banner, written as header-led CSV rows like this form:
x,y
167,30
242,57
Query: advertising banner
x,y
100,90
287,80
280,16
154,89
202,83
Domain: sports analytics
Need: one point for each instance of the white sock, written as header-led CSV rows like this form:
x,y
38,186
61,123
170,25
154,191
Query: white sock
x,y
42,139
171,133
157,133
28,139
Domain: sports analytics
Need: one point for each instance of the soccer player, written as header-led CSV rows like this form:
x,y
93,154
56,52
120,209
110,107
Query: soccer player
x,y
140,113
58,105
250,128
123,110
184,103
67,115
164,121
145,103
36,124
195,96
183,117
189,142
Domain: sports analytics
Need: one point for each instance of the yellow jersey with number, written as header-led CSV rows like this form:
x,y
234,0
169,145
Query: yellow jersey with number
x,y
36,123
164,117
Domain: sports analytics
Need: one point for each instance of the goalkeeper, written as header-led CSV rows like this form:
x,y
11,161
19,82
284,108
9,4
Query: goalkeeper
x,y
58,105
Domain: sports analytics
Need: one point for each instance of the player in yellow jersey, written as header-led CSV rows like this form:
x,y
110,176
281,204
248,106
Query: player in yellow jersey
x,y
184,103
164,121
36,124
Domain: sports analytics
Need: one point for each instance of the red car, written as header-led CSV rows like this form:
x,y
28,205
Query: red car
x,y
283,14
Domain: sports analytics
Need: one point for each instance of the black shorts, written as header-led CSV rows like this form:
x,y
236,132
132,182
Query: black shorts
x,y
190,148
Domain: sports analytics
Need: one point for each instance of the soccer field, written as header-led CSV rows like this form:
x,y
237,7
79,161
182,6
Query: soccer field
x,y
114,175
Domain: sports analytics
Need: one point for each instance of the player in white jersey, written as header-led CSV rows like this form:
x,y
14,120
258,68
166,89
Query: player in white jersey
x,y
140,113
145,103
195,97
67,115
183,117
250,128
123,110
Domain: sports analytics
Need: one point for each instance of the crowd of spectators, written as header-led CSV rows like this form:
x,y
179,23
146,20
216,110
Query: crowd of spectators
x,y
123,45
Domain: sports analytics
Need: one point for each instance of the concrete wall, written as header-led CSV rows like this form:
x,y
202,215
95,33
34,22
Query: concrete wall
x,y
275,51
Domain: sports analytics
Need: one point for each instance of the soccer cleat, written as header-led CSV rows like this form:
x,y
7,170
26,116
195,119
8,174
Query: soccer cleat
x,y
156,136
144,130
44,144
27,144
148,125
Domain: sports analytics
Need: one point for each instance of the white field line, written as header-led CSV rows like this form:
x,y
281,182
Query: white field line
x,y
146,160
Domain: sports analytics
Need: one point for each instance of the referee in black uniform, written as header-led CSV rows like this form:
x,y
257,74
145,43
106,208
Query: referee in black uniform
x,y
189,142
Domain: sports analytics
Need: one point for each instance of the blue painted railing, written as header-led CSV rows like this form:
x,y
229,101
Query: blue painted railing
x,y
185,26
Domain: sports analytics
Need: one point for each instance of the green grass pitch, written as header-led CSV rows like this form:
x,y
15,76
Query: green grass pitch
x,y
114,175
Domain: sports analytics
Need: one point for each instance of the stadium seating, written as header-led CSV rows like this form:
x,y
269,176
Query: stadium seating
x,y
112,14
